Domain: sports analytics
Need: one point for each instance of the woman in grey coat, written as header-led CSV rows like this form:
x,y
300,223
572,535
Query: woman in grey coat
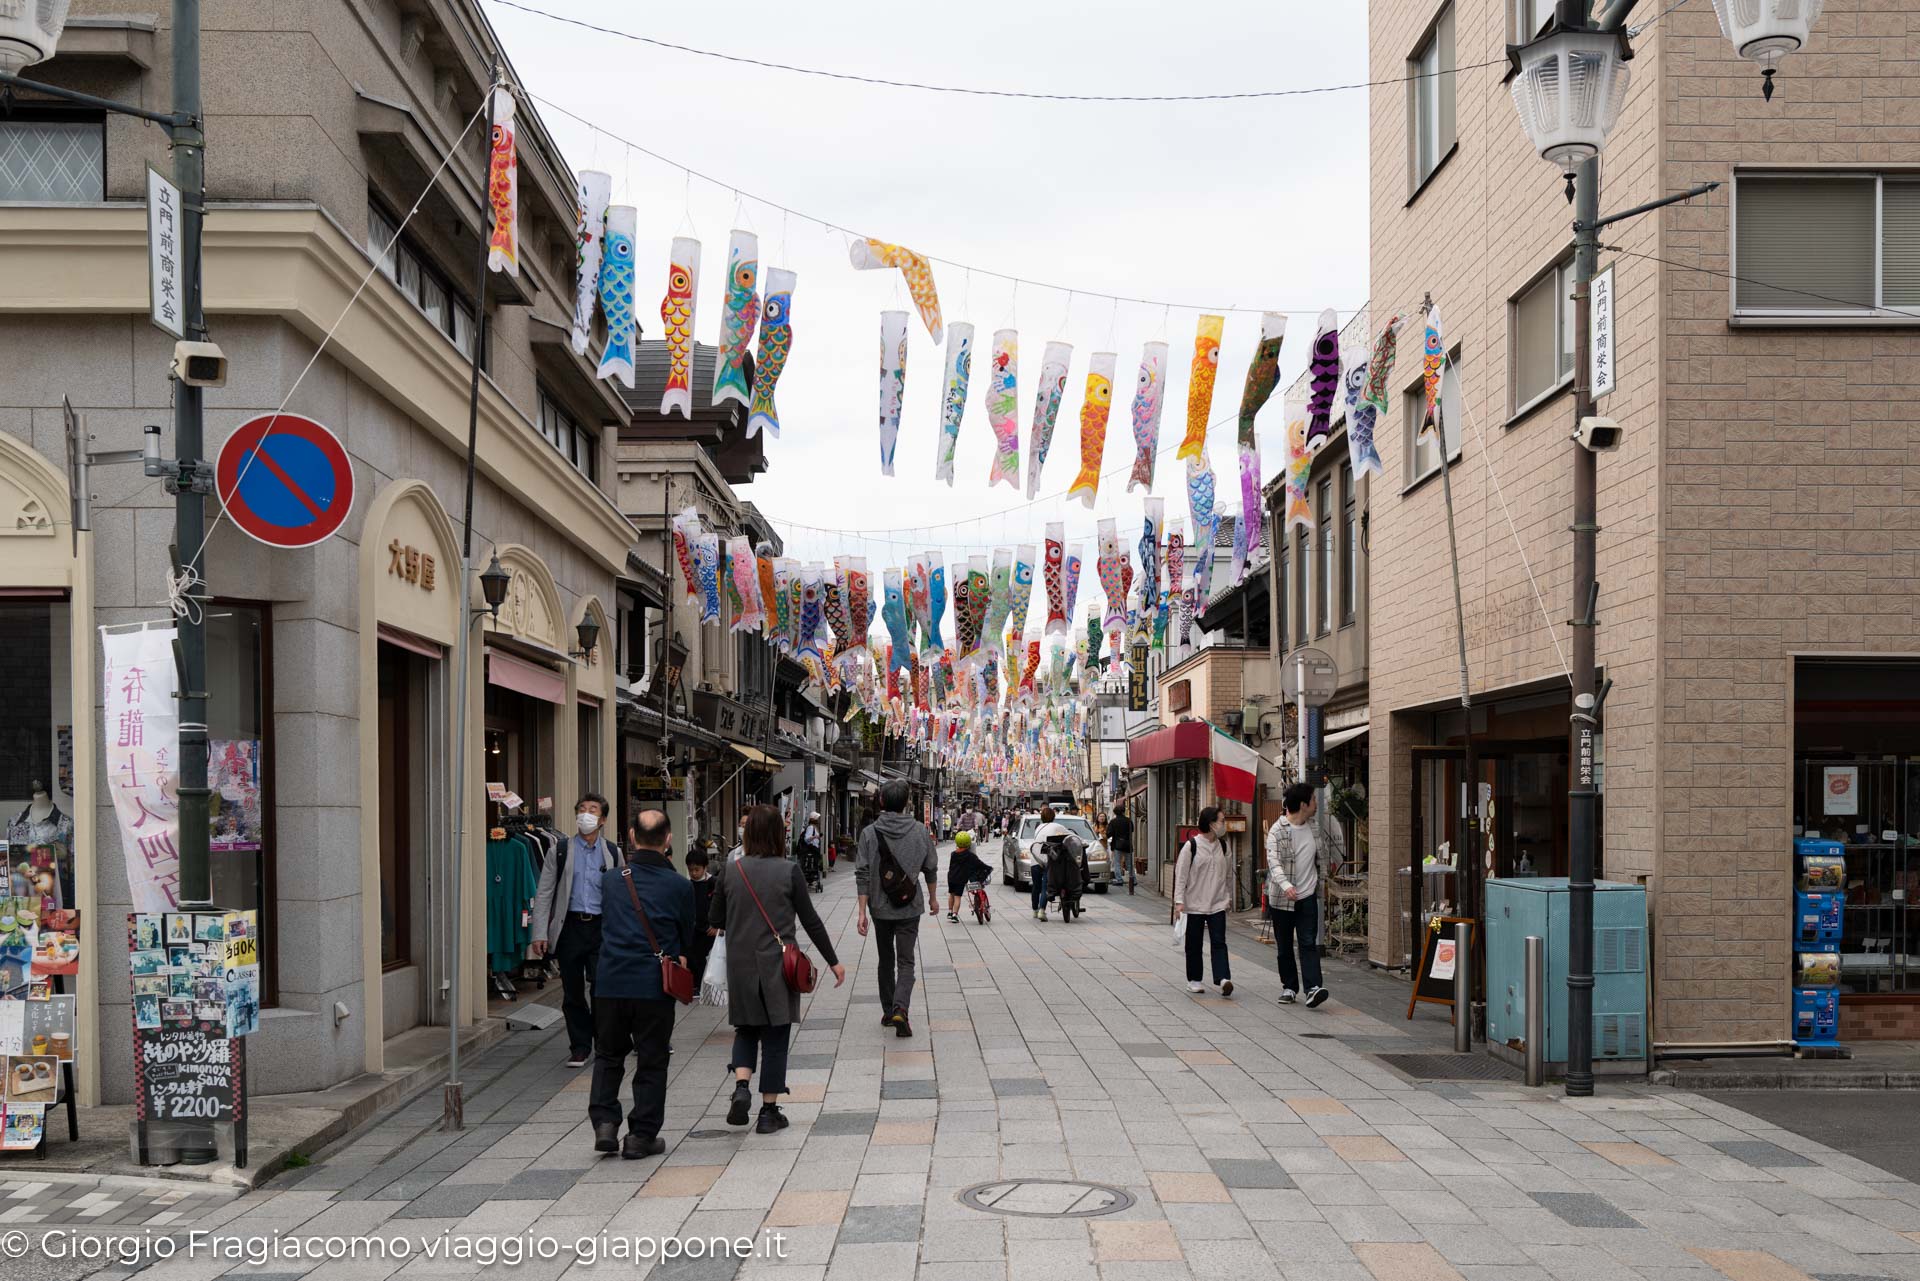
x,y
756,903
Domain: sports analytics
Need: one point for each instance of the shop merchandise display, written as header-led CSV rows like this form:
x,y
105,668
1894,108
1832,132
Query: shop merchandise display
x,y
1820,888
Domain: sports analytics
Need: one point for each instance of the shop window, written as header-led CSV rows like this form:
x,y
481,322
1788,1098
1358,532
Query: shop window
x,y
1430,135
587,718
424,285
1527,19
576,444
240,771
37,708
1540,339
1349,533
1423,450
1826,245
403,678
1323,567
53,156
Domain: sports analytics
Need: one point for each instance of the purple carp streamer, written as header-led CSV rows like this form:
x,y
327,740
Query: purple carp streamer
x,y
1149,399
1323,369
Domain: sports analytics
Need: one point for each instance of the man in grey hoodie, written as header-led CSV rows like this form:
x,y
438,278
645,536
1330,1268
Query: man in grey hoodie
x,y
896,925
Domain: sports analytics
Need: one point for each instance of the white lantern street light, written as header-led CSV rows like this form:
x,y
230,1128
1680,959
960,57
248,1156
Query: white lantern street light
x,y
1569,85
1765,31
29,32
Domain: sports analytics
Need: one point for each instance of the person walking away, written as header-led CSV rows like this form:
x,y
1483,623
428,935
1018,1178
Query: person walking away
x,y
701,945
756,903
1066,861
648,916
1297,843
963,869
810,844
1120,843
1202,877
566,918
895,856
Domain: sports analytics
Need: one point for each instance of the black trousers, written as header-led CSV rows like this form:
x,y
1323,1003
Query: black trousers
x,y
1211,926
1302,923
894,942
627,1025
771,1044
578,951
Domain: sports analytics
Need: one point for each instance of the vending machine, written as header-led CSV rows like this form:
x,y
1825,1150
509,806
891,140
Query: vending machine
x,y
1820,885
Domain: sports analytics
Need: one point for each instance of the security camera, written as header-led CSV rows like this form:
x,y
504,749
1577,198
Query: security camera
x,y
200,364
1601,435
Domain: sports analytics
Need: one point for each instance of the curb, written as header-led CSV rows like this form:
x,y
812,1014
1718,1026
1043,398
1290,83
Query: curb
x,y
1713,1079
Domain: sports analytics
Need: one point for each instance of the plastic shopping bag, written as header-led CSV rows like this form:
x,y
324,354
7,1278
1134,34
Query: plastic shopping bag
x,y
713,984
1180,932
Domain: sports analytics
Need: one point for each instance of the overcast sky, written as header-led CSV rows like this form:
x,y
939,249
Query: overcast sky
x,y
1254,204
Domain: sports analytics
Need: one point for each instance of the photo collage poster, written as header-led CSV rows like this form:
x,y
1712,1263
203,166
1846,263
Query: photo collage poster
x,y
195,971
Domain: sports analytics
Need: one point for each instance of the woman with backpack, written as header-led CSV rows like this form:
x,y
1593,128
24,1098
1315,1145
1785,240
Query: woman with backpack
x,y
1203,889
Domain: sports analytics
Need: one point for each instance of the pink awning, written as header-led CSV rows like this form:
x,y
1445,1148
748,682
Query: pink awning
x,y
523,677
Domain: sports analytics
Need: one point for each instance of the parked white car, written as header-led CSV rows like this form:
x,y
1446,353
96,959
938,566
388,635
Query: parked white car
x,y
1021,847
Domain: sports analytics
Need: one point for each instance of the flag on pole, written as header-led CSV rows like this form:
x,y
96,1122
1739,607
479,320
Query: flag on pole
x,y
1235,767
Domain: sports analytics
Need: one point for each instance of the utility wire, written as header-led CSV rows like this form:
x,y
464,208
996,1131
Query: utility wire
x,y
973,91
1851,304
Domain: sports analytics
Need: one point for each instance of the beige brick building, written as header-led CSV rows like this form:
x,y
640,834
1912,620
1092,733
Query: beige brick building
x,y
1756,553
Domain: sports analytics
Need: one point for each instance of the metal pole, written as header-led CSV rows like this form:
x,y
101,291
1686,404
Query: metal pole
x,y
1462,987
1467,873
1300,708
1536,1009
1582,800
453,1105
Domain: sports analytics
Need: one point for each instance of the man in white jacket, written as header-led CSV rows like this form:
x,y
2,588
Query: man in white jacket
x,y
1297,844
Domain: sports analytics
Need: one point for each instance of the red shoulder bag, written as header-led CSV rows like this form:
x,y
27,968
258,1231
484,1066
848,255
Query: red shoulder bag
x,y
676,980
796,967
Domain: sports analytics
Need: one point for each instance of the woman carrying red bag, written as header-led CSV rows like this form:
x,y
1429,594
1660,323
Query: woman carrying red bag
x,y
757,903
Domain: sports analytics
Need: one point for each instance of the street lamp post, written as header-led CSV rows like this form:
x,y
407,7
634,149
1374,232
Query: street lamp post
x,y
1569,85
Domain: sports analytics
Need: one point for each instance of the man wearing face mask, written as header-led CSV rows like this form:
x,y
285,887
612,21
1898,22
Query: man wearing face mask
x,y
566,918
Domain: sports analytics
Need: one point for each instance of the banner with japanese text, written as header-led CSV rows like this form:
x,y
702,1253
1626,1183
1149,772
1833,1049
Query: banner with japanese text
x,y
142,738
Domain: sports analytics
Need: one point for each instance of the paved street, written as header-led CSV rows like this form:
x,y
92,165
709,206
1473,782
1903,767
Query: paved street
x,y
1244,1139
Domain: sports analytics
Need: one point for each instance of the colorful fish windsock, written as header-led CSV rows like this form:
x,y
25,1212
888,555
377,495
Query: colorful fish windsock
x,y
591,191
706,563
1323,370
503,187
859,599
1263,374
833,586
1155,518
1003,408
1433,359
769,591
871,255
893,612
1092,640
1054,572
1206,365
1094,409
893,383
953,406
1073,578
1380,367
676,315
971,605
918,594
737,319
686,528
786,618
1361,415
616,295
1111,577
776,344
1249,532
936,605
1054,363
1206,523
1299,468
746,582
999,598
1149,399
1022,588
1176,575
796,601
1028,671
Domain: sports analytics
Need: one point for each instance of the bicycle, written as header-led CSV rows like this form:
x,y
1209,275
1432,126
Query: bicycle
x,y
981,904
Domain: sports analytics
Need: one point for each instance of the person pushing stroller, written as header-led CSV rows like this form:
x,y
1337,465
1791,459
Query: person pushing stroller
x,y
963,869
1067,869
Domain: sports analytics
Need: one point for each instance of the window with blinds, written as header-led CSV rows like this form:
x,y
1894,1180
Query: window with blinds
x,y
1826,245
1430,113
1540,339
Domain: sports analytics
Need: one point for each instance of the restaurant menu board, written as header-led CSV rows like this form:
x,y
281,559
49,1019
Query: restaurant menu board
x,y
184,1074
196,971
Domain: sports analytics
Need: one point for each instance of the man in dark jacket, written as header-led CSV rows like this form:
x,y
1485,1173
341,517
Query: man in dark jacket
x,y
646,913
896,925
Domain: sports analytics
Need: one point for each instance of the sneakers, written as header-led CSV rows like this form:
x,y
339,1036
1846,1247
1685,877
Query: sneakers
x,y
742,1101
578,1058
954,917
901,1027
771,1119
893,1016
1286,996
606,1138
1226,987
636,1148
1196,986
1316,998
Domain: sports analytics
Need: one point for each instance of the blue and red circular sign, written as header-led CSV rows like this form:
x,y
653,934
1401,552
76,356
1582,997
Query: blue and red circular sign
x,y
285,480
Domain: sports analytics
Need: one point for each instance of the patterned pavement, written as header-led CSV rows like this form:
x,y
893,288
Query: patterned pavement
x,y
1254,1140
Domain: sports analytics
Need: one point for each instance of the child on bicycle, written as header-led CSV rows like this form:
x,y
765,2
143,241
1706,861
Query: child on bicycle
x,y
964,868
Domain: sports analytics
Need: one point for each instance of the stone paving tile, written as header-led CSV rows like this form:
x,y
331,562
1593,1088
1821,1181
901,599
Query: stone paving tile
x,y
1585,1210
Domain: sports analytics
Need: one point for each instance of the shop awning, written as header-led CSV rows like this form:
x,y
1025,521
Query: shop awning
x,y
522,677
754,756
1187,741
1137,788
1332,741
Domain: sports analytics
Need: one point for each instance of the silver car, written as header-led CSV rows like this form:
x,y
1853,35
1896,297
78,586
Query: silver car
x,y
1022,846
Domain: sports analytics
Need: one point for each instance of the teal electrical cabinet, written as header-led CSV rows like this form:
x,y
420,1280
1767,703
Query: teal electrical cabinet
x,y
1519,906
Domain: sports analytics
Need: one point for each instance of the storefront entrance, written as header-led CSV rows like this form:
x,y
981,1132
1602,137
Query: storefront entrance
x,y
414,846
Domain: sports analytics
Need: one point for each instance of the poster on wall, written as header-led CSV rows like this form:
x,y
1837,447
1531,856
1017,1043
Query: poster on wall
x,y
233,775
141,742
1841,789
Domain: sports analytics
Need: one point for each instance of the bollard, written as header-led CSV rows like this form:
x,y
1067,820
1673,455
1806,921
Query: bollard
x,y
1536,1010
1462,988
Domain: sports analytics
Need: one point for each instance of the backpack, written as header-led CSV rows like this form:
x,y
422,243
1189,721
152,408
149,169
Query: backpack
x,y
895,884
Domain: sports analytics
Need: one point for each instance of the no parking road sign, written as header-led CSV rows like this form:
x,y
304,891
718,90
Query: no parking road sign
x,y
285,480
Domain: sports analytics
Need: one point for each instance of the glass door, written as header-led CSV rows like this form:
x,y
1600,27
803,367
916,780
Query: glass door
x,y
1872,807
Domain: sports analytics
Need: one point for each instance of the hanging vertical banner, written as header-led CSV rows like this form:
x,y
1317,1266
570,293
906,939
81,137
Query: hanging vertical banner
x,y
936,605
1206,524
893,613
1000,599
1323,369
1206,365
1600,367
1176,584
893,383
1022,589
141,735
503,188
1111,575
737,320
1003,408
1054,574
1361,416
1073,578
706,563
591,193
166,285
776,344
871,255
1299,467
1149,399
769,591
1094,410
676,315
746,582
1054,363
617,294
953,406
1433,358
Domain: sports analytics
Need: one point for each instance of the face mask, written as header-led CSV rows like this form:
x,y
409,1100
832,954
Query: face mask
x,y
588,822
1217,831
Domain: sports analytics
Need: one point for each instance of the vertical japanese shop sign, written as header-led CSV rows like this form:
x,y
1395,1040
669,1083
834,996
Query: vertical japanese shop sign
x,y
142,738
166,282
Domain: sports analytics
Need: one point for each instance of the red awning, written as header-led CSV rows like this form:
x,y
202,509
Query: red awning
x,y
526,678
1186,741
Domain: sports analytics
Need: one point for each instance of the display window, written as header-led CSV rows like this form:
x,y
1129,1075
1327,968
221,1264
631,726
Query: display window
x,y
240,770
36,747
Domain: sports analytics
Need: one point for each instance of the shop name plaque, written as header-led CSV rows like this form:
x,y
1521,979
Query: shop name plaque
x,y
409,564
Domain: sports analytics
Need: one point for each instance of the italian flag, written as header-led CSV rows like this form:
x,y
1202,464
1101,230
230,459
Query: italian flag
x,y
1235,767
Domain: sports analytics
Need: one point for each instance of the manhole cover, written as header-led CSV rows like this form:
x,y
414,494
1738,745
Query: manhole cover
x,y
1450,1067
1047,1198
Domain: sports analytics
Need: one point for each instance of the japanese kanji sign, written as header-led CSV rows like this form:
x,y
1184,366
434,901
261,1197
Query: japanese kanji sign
x,y
166,276
142,739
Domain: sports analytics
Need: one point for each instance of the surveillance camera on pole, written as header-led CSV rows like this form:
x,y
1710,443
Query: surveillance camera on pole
x,y
1600,435
200,364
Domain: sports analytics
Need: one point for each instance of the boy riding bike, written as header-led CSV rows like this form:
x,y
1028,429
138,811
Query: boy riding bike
x,y
963,869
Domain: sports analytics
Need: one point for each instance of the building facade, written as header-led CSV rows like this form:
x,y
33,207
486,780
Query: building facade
x,y
335,665
1755,610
